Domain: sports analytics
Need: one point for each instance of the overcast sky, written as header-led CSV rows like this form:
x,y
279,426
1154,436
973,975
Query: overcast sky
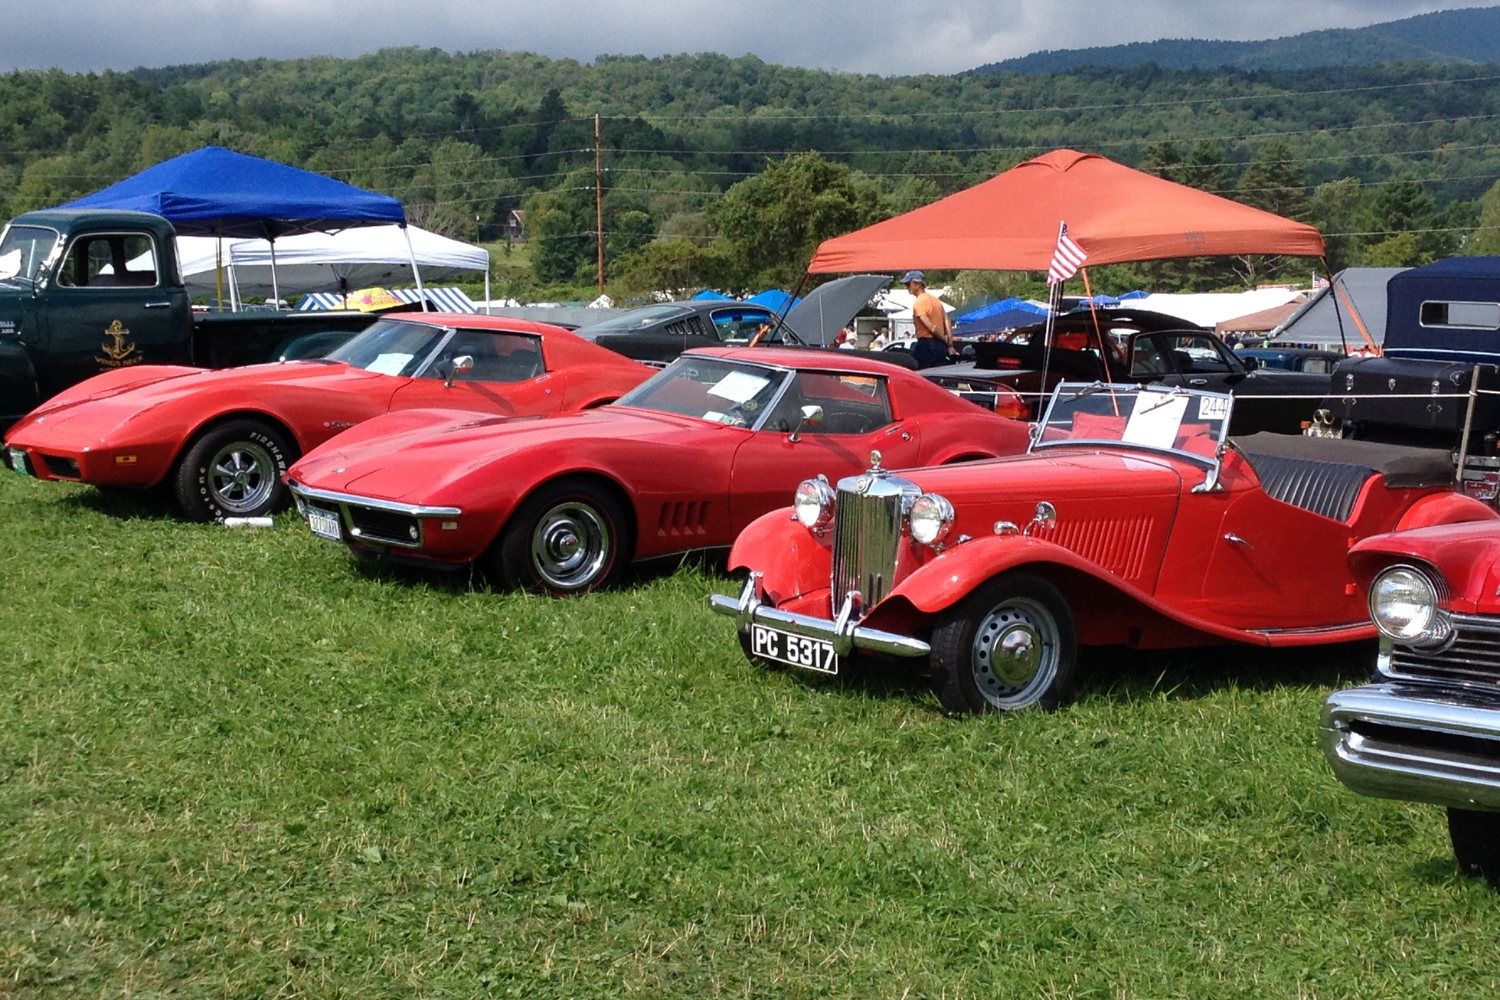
x,y
876,36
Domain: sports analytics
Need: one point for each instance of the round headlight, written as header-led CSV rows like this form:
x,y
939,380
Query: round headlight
x,y
813,503
1404,605
931,517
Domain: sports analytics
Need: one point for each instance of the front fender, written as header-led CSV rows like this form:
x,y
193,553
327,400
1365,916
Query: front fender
x,y
1445,508
792,560
944,581
18,389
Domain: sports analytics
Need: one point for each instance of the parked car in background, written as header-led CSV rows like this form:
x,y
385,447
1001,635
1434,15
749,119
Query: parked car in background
x,y
1428,728
1289,359
222,440
1135,519
1136,346
681,463
656,334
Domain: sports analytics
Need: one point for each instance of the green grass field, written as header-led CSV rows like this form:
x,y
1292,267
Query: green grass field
x,y
233,764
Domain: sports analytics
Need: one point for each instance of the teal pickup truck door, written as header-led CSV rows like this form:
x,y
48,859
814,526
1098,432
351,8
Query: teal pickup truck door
x,y
112,301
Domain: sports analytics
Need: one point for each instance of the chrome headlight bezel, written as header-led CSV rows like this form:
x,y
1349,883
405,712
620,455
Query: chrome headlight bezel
x,y
930,519
812,504
1405,603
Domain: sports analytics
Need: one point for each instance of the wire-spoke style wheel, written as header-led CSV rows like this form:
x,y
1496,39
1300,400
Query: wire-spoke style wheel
x,y
1010,645
233,470
570,537
1476,842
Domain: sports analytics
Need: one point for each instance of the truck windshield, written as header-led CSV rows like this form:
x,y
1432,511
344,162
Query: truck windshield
x,y
24,249
1184,421
715,389
391,347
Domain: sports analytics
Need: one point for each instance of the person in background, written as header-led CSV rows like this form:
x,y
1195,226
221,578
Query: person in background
x,y
934,330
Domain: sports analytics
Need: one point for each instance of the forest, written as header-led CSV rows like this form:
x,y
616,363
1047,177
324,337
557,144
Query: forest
x,y
726,172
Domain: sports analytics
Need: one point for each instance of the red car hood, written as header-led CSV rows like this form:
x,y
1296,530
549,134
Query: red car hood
x,y
414,455
105,402
1467,555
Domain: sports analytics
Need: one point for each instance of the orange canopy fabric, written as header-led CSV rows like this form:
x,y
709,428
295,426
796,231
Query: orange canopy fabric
x,y
1116,214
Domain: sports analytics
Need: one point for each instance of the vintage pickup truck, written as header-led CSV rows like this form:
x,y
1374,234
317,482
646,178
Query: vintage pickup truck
x,y
84,292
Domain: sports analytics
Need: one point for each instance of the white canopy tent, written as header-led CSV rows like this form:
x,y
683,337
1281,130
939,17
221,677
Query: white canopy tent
x,y
319,262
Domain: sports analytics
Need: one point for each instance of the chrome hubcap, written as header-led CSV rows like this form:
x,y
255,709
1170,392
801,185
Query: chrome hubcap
x,y
570,546
241,477
1015,653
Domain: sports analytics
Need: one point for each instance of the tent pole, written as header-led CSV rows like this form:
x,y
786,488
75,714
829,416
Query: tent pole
x,y
416,274
489,309
781,316
234,284
1054,303
219,266
275,288
1338,316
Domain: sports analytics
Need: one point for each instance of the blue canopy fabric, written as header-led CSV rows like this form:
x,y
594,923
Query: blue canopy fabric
x,y
1132,296
709,294
201,191
1007,314
971,306
774,299
1003,306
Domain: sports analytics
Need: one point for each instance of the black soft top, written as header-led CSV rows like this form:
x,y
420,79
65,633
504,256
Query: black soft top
x,y
1400,465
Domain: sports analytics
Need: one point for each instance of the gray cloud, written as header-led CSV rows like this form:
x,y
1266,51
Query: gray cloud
x,y
873,36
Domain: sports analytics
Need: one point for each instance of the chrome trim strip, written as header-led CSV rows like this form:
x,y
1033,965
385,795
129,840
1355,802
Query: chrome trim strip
x,y
395,507
1419,769
845,636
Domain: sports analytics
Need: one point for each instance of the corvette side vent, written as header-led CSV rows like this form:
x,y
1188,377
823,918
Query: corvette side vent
x,y
679,519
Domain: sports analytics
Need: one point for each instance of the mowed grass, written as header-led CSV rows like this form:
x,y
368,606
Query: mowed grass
x,y
232,764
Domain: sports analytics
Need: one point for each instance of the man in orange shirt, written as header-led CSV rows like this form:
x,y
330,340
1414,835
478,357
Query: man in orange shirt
x,y
934,330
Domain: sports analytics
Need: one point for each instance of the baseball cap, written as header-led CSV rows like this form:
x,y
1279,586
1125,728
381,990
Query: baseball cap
x,y
914,276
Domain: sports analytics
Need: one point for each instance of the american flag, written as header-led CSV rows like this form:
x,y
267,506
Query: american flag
x,y
1066,259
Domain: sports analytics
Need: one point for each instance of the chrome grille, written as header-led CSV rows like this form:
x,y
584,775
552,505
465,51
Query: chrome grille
x,y
866,537
1473,657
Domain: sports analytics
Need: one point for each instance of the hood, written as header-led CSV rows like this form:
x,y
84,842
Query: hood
x,y
412,455
817,319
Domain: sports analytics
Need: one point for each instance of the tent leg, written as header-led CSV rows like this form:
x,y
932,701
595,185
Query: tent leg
x,y
415,272
234,285
219,268
275,288
489,309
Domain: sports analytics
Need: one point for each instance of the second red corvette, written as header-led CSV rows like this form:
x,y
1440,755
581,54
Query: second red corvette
x,y
681,463
223,439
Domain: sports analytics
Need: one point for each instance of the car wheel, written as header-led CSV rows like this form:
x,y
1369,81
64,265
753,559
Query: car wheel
x,y
233,470
570,537
1010,645
1476,842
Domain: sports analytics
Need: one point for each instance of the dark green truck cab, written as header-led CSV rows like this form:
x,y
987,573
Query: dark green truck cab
x,y
84,292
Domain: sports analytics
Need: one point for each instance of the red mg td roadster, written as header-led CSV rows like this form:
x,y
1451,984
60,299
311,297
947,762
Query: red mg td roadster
x,y
1428,728
1133,519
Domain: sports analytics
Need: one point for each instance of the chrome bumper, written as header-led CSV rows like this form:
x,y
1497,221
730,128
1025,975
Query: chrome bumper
x,y
1396,741
845,635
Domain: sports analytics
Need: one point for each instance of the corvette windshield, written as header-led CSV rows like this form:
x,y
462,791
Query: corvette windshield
x,y
1174,419
24,249
715,389
391,347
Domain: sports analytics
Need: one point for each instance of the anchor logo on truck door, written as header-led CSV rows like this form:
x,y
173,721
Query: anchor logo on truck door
x,y
118,354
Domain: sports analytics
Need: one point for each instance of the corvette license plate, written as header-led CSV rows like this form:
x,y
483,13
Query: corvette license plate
x,y
794,650
324,524
18,461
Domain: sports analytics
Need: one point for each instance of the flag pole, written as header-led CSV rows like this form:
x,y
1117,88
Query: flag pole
x,y
1054,302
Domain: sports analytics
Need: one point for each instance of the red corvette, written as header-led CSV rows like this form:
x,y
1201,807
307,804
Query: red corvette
x,y
681,463
224,439
1134,521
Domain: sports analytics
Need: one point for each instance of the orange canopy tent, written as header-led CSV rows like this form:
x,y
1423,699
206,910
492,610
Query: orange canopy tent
x,y
1116,214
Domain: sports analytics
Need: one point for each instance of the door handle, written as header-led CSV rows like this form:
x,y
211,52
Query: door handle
x,y
1197,381
158,305
1234,539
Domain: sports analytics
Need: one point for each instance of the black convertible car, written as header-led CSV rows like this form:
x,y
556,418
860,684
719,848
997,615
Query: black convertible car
x,y
1134,345
656,334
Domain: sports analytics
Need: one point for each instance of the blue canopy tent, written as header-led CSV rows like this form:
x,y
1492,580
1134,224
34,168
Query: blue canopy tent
x,y
1007,314
774,299
709,294
217,192
973,305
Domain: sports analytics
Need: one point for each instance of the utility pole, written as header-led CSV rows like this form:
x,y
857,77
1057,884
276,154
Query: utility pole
x,y
599,199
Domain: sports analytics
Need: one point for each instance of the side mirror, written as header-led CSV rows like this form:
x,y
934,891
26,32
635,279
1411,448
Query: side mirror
x,y
458,366
1045,519
812,416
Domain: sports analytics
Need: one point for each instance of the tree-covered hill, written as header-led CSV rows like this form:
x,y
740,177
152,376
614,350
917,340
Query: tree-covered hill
x,y
1466,35
1390,160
